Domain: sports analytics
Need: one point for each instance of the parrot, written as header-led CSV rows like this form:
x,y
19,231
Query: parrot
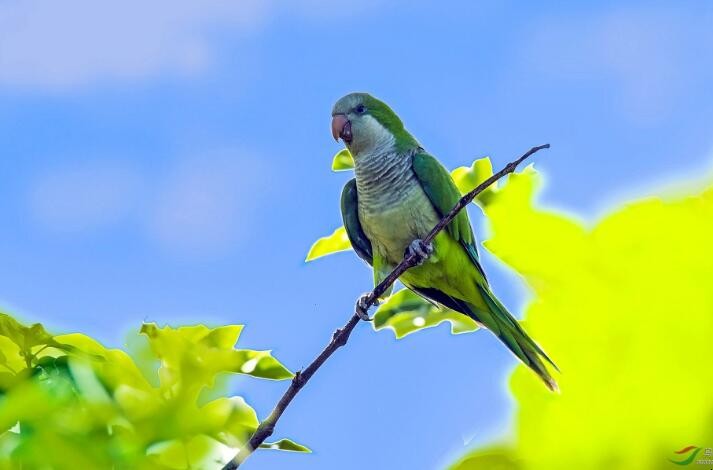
x,y
398,194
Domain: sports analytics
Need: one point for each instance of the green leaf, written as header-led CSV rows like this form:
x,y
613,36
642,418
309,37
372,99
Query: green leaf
x,y
192,356
337,241
7,381
21,346
285,444
405,312
494,459
231,420
199,452
115,366
259,364
342,161
87,382
224,336
80,342
12,329
36,335
623,306
468,178
81,405
11,360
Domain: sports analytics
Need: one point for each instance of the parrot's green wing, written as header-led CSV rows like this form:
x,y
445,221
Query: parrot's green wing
x,y
443,193
360,242
350,216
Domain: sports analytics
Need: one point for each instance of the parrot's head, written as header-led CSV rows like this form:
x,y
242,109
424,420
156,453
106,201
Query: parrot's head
x,y
366,124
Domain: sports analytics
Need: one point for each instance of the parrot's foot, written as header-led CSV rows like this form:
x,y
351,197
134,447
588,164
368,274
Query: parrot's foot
x,y
420,250
362,307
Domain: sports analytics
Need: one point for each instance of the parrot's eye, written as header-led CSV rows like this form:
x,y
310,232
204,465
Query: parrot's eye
x,y
361,109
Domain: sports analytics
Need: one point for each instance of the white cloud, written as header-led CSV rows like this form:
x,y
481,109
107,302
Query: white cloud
x,y
84,197
201,206
645,51
60,45
69,43
207,205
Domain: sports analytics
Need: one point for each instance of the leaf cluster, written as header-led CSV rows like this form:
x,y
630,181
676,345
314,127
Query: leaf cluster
x,y
626,307
68,402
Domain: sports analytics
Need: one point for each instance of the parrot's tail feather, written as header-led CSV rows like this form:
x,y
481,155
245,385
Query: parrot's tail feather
x,y
510,332
498,320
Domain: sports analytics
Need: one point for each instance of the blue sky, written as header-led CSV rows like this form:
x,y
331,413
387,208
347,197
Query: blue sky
x,y
170,163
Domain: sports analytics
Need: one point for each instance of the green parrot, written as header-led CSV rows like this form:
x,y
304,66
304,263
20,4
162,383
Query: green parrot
x,y
399,194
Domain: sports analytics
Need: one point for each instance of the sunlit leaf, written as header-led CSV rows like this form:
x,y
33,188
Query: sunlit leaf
x,y
80,405
223,336
115,366
87,383
405,312
232,420
337,241
12,359
199,452
20,344
36,335
12,329
33,399
192,356
624,308
7,381
467,178
342,161
82,343
285,444
498,459
259,364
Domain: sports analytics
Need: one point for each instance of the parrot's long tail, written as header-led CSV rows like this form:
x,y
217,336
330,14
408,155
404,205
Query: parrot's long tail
x,y
506,327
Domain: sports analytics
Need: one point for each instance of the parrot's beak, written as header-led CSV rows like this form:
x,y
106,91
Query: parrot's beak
x,y
341,128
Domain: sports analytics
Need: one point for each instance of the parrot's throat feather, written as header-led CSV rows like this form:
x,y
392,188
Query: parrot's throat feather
x,y
383,180
382,173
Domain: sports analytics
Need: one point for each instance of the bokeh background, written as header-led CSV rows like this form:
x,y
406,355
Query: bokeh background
x,y
169,162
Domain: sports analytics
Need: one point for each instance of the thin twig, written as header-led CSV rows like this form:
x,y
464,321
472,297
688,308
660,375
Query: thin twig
x,y
341,336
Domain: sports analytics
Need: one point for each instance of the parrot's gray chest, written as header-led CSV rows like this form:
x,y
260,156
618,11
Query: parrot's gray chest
x,y
394,210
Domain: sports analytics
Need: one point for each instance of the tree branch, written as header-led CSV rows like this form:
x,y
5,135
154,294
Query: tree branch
x,y
341,336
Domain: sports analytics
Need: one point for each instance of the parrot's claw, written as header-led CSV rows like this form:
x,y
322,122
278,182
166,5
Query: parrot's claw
x,y
362,307
420,250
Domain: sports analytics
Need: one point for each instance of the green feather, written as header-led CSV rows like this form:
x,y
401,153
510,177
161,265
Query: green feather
x,y
350,217
380,111
444,195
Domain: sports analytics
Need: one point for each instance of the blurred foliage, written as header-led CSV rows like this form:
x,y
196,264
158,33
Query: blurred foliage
x,y
467,178
626,309
67,402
